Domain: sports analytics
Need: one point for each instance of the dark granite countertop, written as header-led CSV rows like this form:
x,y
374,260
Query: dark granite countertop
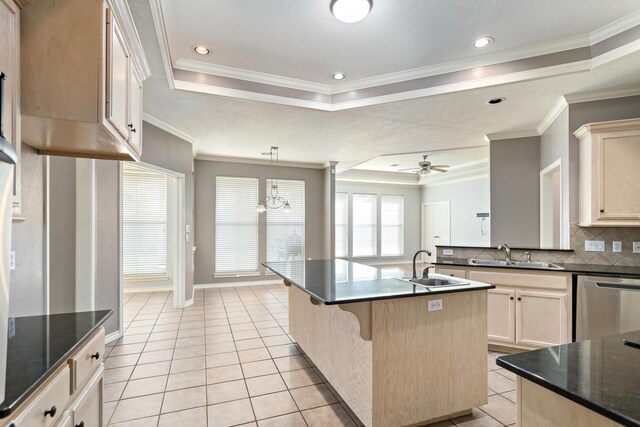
x,y
336,281
588,269
512,248
601,374
38,345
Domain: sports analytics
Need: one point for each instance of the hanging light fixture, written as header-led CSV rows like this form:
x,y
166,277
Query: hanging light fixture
x,y
274,200
350,11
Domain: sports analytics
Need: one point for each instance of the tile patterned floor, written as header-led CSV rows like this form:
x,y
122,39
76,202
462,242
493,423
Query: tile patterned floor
x,y
228,361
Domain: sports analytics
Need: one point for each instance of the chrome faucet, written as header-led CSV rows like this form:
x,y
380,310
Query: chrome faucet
x,y
507,252
528,255
425,272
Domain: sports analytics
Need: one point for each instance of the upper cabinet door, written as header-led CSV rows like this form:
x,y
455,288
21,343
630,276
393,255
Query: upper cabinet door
x,y
620,175
135,109
118,72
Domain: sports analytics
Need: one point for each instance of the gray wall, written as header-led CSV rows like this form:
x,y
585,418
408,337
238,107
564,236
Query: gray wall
x,y
466,198
412,201
205,177
26,289
162,149
515,191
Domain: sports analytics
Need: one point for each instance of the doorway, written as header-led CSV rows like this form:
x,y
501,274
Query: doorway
x,y
436,223
551,205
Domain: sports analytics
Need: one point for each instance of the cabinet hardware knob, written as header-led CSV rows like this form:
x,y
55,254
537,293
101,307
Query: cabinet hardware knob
x,y
130,125
511,298
51,412
81,424
96,355
601,210
519,299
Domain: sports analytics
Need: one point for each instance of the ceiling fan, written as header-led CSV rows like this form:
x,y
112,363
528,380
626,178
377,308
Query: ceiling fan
x,y
425,167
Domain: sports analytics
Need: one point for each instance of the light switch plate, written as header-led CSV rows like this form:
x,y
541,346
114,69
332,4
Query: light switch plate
x,y
12,260
636,247
447,252
434,305
594,245
617,246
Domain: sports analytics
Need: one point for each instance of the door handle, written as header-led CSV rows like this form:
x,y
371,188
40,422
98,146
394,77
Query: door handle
x,y
618,286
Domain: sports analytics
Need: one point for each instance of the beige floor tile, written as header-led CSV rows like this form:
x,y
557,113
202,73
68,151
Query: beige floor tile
x,y
191,324
185,365
133,330
190,341
246,334
145,386
270,332
121,361
222,359
118,374
221,347
290,420
186,380
272,405
220,329
155,356
225,392
253,355
188,352
265,384
139,407
166,327
262,367
243,327
107,411
491,361
162,336
511,395
477,418
291,363
276,340
499,383
328,416
506,373
224,373
160,345
195,417
283,350
301,378
113,391
312,396
230,413
217,338
142,422
151,370
121,350
191,333
188,398
501,408
249,344
266,324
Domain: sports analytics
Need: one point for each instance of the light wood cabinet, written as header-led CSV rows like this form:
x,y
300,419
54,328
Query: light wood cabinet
x,y
501,317
88,103
541,319
609,173
460,273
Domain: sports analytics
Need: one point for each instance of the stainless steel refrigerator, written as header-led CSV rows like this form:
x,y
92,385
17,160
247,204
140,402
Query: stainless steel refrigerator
x,y
8,159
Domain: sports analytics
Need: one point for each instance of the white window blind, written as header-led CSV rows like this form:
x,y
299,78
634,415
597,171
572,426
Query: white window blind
x,y
364,225
236,225
392,225
285,230
144,222
342,224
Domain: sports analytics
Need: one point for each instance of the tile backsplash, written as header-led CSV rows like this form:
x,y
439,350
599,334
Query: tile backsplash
x,y
578,236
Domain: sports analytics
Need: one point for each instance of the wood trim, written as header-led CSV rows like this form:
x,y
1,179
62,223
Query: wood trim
x,y
362,311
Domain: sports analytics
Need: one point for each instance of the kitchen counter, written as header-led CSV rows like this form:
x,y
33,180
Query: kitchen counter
x,y
588,269
337,281
600,374
38,345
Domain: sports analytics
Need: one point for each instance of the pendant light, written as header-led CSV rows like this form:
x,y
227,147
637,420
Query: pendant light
x,y
274,200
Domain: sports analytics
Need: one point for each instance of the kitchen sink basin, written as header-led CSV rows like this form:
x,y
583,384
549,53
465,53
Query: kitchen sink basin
x,y
520,264
434,282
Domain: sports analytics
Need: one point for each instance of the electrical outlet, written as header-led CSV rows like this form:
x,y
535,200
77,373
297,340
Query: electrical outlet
x,y
434,305
594,245
447,252
12,260
617,246
636,247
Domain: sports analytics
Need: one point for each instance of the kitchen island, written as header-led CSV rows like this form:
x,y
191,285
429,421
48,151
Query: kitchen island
x,y
399,354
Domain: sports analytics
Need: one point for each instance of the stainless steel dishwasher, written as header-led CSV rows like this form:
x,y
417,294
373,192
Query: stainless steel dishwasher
x,y
606,306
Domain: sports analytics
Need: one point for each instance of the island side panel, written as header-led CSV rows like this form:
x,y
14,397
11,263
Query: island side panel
x,y
428,364
331,337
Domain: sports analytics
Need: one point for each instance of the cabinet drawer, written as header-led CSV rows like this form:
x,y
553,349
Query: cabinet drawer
x,y
86,360
55,394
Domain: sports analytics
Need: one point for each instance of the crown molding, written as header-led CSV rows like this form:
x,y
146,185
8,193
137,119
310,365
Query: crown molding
x,y
163,40
168,128
552,115
378,177
616,54
510,135
468,175
602,94
250,161
616,27
252,76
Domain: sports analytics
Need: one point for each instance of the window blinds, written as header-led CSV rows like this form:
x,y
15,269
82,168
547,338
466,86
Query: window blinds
x,y
342,224
144,222
236,225
392,225
364,225
285,230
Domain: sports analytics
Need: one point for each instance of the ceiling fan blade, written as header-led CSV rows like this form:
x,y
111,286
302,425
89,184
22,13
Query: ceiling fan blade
x,y
438,169
440,166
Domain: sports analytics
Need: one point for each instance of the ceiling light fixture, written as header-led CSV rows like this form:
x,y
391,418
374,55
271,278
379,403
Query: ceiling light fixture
x,y
495,101
201,50
483,42
339,76
274,200
351,11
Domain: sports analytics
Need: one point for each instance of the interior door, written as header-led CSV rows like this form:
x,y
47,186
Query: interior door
x,y
435,227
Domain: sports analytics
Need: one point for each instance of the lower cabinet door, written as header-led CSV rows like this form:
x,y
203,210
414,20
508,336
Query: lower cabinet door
x,y
66,420
541,318
87,410
501,315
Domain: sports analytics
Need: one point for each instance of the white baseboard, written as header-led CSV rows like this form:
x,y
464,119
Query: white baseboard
x,y
188,303
148,289
112,337
238,284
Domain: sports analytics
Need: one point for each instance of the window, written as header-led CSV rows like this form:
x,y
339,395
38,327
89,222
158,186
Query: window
x,y
144,223
364,225
236,226
285,230
342,224
392,225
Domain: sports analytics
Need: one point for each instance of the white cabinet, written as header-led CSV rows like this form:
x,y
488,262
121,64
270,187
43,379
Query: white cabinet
x,y
609,173
135,110
501,315
118,63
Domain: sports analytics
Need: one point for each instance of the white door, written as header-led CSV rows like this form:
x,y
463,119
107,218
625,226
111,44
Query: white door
x,y
435,227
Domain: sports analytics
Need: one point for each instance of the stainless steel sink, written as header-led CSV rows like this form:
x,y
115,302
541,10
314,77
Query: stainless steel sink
x,y
519,264
434,282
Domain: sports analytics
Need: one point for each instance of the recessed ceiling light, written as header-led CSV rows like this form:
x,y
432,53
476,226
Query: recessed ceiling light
x,y
201,50
495,101
351,11
483,42
339,76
